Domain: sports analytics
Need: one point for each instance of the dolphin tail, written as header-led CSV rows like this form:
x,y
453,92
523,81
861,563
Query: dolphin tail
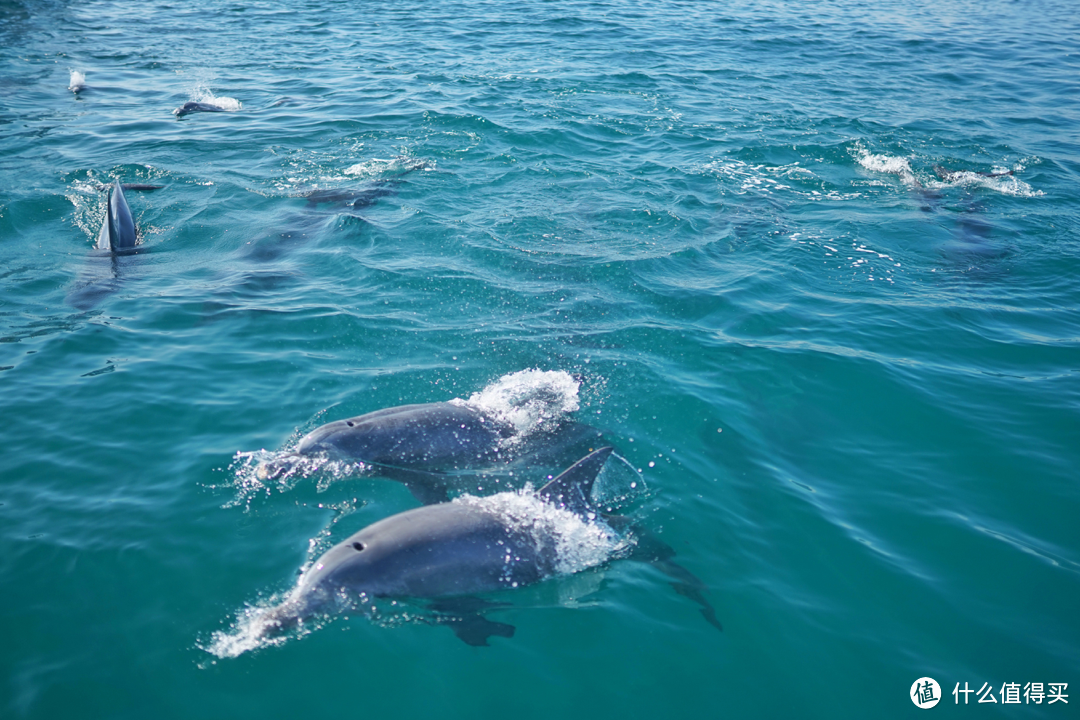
x,y
659,554
689,586
573,488
476,629
463,616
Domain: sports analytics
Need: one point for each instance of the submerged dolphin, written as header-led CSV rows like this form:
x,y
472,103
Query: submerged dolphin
x,y
418,444
954,175
118,237
450,551
194,107
118,228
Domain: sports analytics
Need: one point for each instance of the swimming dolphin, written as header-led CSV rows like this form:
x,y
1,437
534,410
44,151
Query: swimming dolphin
x,y
118,228
954,175
349,197
194,107
419,444
78,82
450,551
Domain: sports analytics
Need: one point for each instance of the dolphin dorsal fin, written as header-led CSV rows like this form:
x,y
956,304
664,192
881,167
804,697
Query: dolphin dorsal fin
x,y
571,490
104,241
118,229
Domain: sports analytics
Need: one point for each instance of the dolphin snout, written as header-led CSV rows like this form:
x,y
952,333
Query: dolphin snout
x,y
277,468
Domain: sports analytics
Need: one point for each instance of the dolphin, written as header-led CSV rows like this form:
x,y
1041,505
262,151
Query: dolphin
x,y
194,107
118,229
447,553
418,445
118,237
77,83
954,175
348,197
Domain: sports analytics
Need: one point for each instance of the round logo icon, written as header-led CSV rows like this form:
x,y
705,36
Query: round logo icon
x,y
925,692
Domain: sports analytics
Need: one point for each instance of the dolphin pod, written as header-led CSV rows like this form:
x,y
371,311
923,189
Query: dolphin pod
x,y
422,445
451,551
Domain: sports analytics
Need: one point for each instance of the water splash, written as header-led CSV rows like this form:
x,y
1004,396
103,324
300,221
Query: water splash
x,y
529,400
888,164
250,482
377,168
77,82
999,179
249,630
576,542
202,93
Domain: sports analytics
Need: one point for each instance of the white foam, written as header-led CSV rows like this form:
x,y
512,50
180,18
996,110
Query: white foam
x,y
227,104
901,167
577,543
891,164
249,631
379,168
997,181
529,400
203,94
245,470
78,81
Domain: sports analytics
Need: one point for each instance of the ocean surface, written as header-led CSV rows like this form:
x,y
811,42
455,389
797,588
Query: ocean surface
x,y
813,269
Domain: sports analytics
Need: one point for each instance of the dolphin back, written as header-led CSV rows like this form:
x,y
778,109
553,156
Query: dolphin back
x,y
118,228
436,436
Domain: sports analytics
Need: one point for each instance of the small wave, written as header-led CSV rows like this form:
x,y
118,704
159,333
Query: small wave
x,y
529,400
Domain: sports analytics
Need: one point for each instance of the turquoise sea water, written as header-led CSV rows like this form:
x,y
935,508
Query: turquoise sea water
x,y
849,381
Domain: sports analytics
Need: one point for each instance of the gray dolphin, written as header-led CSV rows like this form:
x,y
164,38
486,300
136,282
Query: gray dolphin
x,y
118,237
450,551
420,445
194,107
447,550
118,229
